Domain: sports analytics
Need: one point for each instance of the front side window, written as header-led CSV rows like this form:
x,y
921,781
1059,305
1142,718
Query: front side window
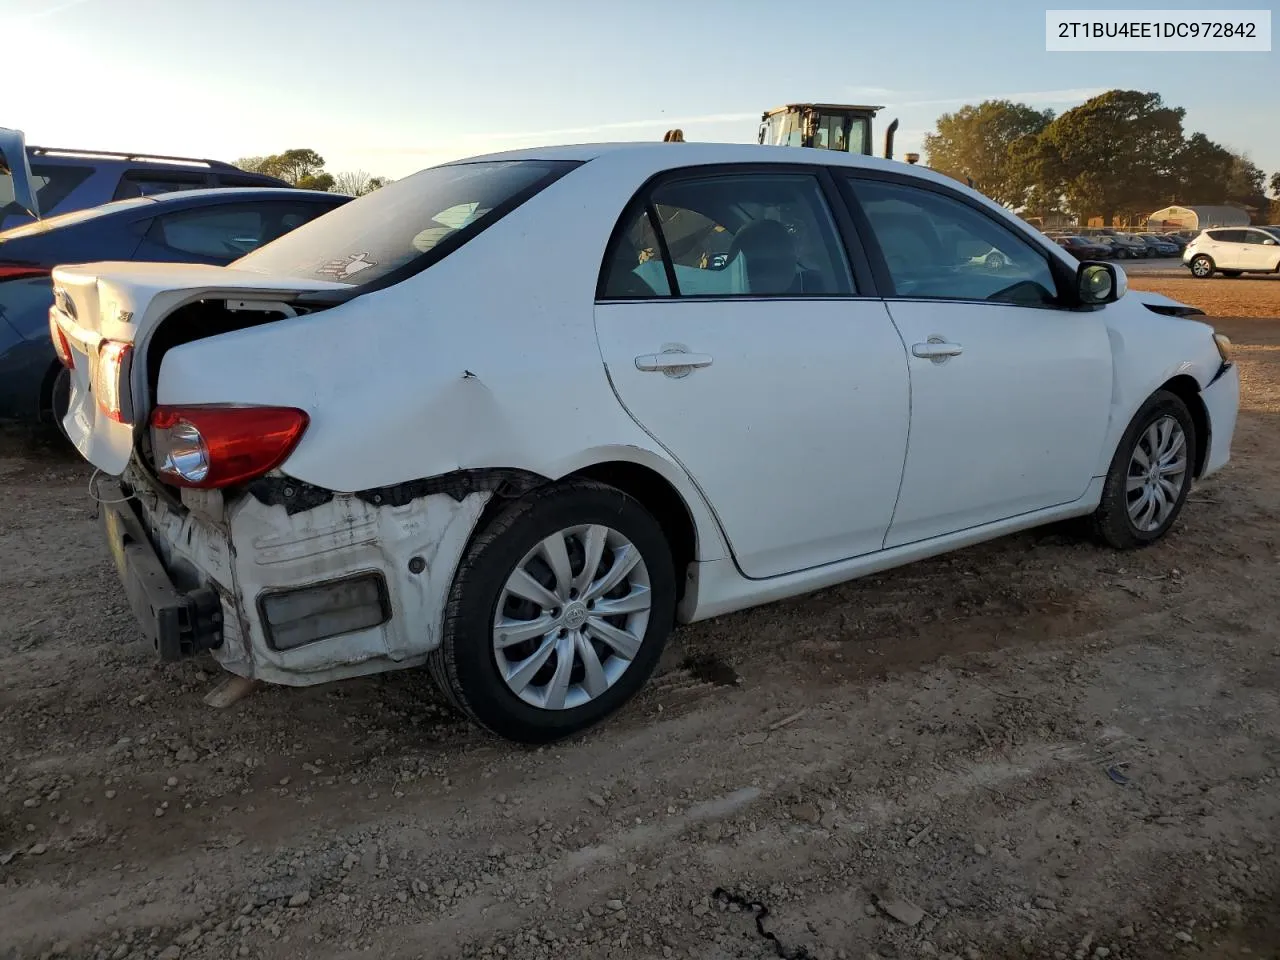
x,y
406,221
1257,236
935,246
741,235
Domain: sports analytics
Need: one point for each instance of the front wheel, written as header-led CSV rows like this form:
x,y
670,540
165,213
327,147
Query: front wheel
x,y
1201,266
1150,475
558,613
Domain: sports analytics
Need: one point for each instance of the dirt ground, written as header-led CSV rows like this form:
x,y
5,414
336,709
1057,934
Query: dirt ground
x,y
1032,748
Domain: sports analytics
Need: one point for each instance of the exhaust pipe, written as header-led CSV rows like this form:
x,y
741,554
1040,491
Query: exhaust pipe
x,y
888,140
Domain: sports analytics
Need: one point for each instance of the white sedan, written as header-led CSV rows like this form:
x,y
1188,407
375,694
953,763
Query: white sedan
x,y
515,417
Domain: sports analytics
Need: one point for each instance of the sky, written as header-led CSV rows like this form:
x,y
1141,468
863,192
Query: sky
x,y
392,86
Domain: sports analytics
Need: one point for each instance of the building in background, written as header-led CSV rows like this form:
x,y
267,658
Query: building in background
x,y
1172,219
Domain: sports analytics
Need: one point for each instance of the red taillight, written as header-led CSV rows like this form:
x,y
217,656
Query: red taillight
x,y
60,344
219,446
17,271
111,378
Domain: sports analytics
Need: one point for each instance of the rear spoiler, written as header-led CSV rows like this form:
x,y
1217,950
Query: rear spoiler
x,y
13,163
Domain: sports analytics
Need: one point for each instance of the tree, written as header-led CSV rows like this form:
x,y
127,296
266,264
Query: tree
x,y
981,142
301,166
1275,184
356,183
1116,153
1204,169
1244,179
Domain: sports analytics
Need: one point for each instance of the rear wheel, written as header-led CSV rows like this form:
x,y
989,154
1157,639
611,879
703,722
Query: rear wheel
x,y
1201,266
558,613
1150,475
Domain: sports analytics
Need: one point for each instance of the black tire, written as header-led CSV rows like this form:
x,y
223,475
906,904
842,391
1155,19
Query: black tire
x,y
1206,266
464,665
1111,522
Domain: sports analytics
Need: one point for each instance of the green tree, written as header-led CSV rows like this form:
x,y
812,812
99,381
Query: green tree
x,y
1275,184
1204,170
301,166
1244,179
983,142
315,181
1117,153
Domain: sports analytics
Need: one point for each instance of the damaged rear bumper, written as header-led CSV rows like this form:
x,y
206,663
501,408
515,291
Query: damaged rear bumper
x,y
178,623
295,593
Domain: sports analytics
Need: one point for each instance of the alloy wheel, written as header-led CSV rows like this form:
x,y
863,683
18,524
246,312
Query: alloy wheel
x,y
571,617
1156,475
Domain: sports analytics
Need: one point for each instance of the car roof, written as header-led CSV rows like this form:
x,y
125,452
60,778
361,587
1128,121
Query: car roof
x,y
664,155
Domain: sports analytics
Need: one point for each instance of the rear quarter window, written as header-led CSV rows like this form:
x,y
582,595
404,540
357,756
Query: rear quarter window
x,y
407,225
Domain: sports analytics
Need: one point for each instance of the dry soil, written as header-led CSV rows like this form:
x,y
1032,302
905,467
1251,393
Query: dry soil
x,y
1034,747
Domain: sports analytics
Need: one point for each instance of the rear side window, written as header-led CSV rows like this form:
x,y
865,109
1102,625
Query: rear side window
x,y
407,225
53,183
731,235
148,183
229,231
1227,236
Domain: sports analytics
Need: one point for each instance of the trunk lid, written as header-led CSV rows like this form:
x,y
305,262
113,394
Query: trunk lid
x,y
102,308
14,167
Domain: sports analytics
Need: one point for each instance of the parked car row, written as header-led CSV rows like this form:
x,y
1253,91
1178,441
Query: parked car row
x,y
1120,246
165,219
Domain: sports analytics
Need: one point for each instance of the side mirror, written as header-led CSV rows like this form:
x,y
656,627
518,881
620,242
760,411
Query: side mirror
x,y
1099,283
1270,243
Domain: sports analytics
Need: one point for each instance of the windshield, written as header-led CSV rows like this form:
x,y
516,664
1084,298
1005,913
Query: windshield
x,y
406,221
75,216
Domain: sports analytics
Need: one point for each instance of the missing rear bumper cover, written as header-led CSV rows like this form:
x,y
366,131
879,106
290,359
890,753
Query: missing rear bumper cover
x,y
179,624
298,497
295,617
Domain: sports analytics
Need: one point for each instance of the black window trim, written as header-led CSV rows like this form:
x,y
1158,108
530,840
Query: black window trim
x,y
1063,275
848,241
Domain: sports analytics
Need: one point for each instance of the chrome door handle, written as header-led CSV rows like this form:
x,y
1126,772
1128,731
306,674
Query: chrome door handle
x,y
673,363
936,349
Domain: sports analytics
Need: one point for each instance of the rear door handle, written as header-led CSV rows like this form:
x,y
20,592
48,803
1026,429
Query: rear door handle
x,y
672,363
936,349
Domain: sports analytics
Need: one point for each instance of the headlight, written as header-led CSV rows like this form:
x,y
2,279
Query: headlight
x,y
1223,343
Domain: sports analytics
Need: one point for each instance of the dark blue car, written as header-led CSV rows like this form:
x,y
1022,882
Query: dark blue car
x,y
194,226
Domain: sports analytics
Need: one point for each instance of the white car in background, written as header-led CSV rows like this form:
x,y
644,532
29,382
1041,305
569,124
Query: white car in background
x,y
515,417
1232,251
